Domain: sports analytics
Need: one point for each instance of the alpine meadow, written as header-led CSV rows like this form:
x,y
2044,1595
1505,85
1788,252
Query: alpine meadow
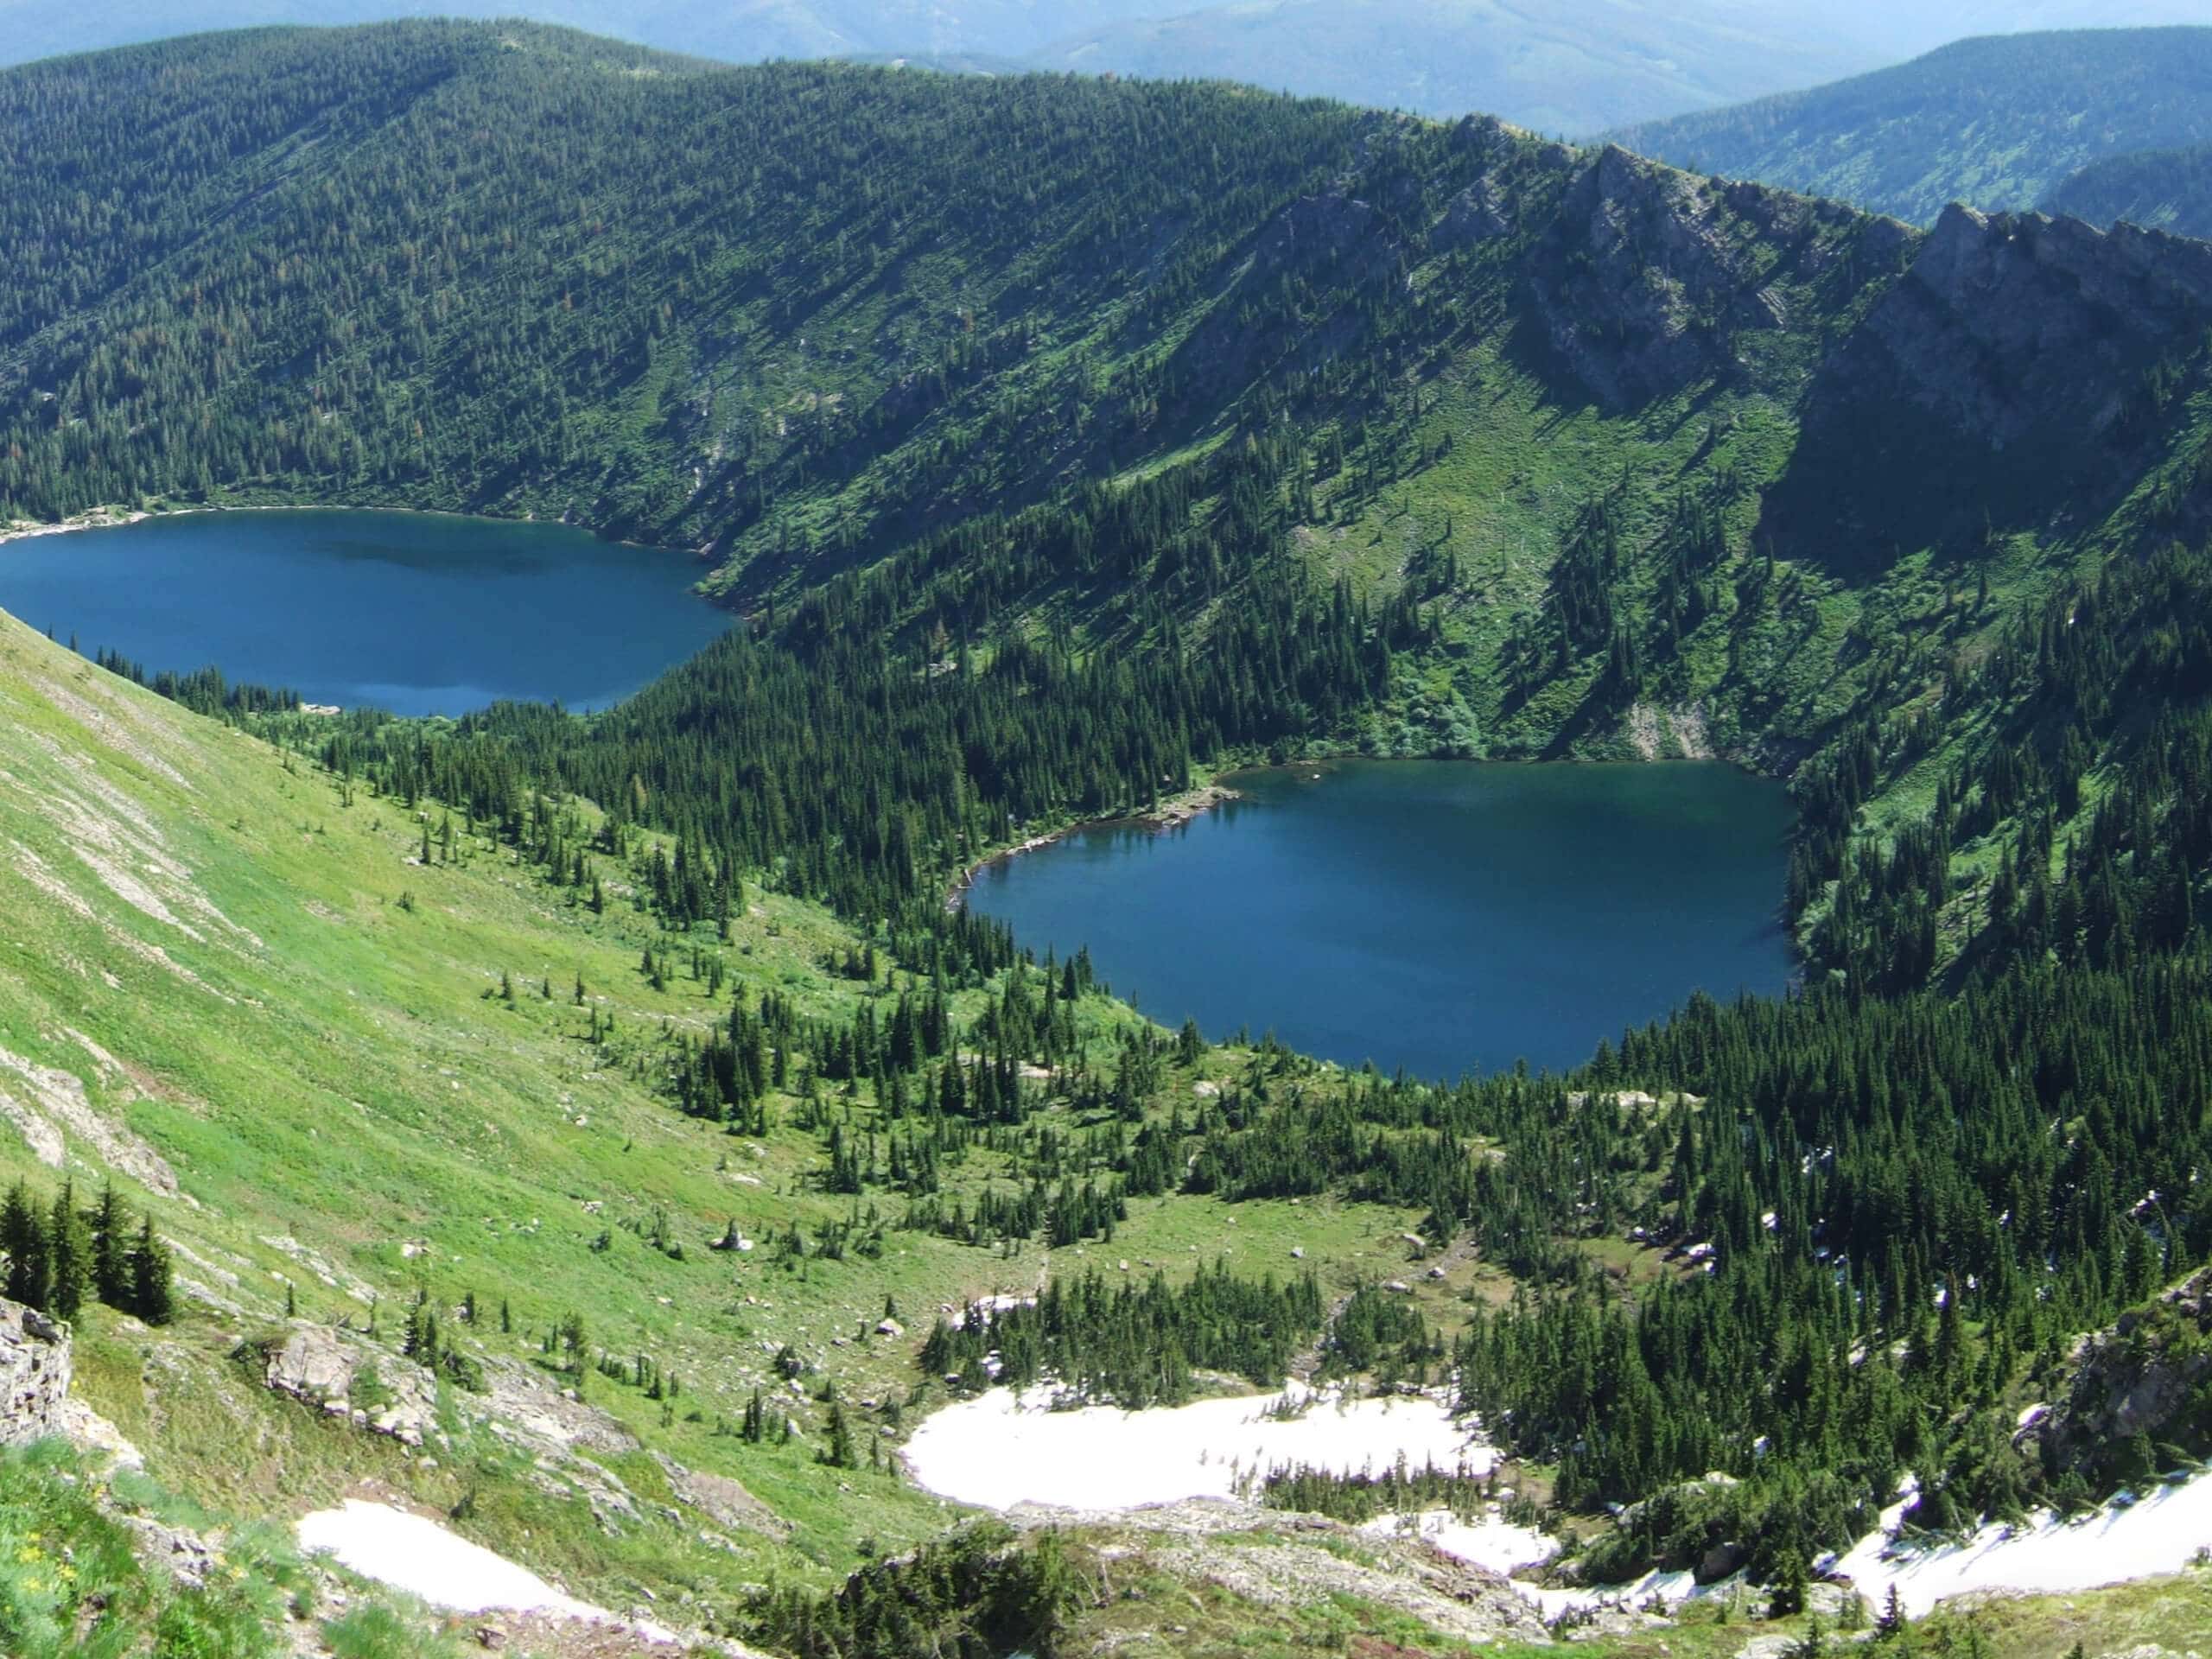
x,y
586,1183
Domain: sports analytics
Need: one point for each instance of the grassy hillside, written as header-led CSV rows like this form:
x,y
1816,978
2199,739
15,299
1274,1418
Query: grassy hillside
x,y
232,983
1997,123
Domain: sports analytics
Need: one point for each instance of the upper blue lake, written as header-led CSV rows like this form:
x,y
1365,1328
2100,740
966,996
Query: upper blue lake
x,y
1441,916
420,614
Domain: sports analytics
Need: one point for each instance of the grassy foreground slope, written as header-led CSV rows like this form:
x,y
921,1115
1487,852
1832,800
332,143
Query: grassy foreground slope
x,y
240,992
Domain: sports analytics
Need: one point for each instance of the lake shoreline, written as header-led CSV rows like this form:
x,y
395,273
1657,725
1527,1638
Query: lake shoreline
x,y
24,530
1175,810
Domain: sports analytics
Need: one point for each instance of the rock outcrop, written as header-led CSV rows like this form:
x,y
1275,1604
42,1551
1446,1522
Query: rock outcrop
x,y
2022,368
1650,279
342,1375
2011,321
34,1369
2148,1373
1275,1558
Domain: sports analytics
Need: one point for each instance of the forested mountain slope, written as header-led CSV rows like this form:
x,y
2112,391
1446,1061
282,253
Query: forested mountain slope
x,y
2169,189
1998,122
1065,440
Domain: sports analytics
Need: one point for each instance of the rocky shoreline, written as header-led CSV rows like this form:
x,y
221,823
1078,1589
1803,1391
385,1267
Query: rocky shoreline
x,y
1177,809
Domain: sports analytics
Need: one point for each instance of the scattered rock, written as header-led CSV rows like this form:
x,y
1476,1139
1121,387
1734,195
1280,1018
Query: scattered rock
x,y
183,1553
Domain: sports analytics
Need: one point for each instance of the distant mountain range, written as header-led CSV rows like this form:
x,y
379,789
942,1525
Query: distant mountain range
x,y
2098,123
1572,70
1608,64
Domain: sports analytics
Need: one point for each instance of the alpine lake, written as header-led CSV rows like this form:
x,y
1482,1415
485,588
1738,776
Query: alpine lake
x,y
1444,917
419,613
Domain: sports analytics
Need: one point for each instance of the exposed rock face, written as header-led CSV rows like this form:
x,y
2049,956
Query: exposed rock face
x,y
184,1555
2144,1376
333,1370
1218,1540
1649,277
34,1365
2008,370
722,1500
2008,322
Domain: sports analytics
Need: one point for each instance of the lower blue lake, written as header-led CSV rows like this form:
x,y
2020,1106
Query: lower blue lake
x,y
1444,917
419,613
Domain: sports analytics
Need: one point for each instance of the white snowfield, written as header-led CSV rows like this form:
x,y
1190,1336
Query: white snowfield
x,y
2160,1531
408,1553
1000,1449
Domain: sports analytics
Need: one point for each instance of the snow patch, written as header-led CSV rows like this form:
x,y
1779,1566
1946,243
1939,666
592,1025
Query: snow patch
x,y
409,1552
1492,1541
1000,1448
2156,1532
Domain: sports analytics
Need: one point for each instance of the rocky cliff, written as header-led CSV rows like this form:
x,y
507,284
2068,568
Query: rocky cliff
x,y
2022,364
34,1375
2149,1375
1651,281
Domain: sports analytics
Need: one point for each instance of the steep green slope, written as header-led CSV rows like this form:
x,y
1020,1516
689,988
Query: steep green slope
x,y
501,293
1996,122
358,1058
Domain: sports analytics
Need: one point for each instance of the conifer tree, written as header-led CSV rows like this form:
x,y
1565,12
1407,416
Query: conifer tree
x,y
69,1250
152,1295
112,1281
23,1237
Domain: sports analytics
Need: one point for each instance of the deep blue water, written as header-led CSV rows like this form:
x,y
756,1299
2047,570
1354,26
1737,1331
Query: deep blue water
x,y
417,613
1441,916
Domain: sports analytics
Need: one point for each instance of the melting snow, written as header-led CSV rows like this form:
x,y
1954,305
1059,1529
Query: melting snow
x,y
2159,1532
1000,1449
424,1559
1492,1541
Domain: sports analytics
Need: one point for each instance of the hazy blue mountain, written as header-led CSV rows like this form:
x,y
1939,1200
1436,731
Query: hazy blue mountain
x,y
738,30
2000,122
1553,70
